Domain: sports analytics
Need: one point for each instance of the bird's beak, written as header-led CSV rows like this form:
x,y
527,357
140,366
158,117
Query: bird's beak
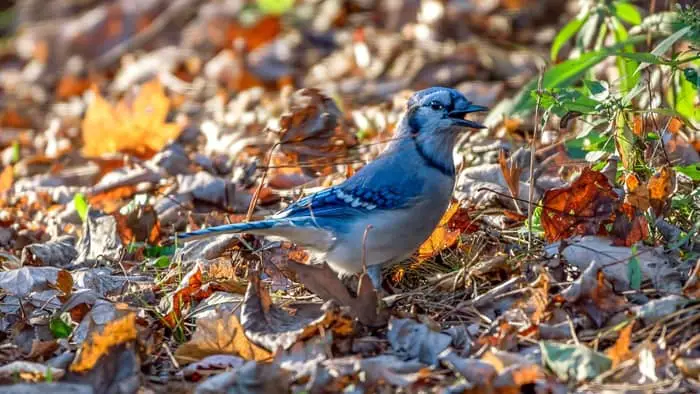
x,y
458,116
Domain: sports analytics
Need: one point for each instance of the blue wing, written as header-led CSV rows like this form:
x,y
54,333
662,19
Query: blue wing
x,y
380,185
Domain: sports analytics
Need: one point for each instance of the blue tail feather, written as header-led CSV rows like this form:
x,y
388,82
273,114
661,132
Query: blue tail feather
x,y
228,229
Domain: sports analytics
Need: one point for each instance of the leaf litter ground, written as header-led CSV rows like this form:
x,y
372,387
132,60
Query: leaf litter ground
x,y
565,264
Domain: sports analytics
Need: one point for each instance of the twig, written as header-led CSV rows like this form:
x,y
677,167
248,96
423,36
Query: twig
x,y
176,10
256,195
533,151
171,356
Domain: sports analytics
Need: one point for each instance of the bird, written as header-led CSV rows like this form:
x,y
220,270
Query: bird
x,y
386,210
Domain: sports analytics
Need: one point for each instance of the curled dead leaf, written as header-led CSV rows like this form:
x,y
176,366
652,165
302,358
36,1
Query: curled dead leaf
x,y
220,334
581,208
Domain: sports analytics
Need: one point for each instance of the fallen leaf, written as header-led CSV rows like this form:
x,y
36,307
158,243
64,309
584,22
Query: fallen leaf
x,y
138,225
575,362
211,365
474,370
252,377
271,327
71,85
411,340
630,226
661,187
620,351
138,127
7,178
29,371
314,132
654,265
190,289
636,192
582,208
220,334
592,295
22,281
58,252
511,173
115,333
454,222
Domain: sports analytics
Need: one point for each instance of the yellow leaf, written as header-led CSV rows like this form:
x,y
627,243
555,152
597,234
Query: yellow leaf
x,y
442,237
138,126
115,333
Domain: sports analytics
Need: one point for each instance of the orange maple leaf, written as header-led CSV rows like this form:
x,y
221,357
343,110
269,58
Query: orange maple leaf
x,y
138,127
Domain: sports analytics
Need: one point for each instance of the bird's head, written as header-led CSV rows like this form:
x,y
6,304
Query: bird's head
x,y
434,119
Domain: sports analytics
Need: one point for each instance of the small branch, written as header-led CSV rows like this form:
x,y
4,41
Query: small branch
x,y
256,195
176,10
533,151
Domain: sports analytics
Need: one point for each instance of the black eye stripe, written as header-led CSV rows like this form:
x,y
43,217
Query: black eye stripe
x,y
436,105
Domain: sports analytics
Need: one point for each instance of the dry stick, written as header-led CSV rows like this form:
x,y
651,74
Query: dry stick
x,y
177,9
533,142
256,195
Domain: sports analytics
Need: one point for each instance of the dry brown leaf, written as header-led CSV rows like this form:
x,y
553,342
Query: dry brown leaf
x,y
137,127
314,132
661,187
540,297
139,225
630,226
71,85
511,173
264,31
272,327
636,193
620,351
591,294
220,334
115,333
190,289
582,208
11,117
454,222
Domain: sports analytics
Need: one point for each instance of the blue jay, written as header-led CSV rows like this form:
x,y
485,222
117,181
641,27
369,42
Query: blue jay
x,y
402,194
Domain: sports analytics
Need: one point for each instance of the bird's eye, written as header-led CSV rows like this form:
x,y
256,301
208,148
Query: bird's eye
x,y
437,106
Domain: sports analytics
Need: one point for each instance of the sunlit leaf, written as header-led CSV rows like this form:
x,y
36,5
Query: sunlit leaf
x,y
138,126
668,42
59,326
691,170
624,142
275,7
114,333
627,12
15,152
565,35
620,351
81,206
571,210
7,178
